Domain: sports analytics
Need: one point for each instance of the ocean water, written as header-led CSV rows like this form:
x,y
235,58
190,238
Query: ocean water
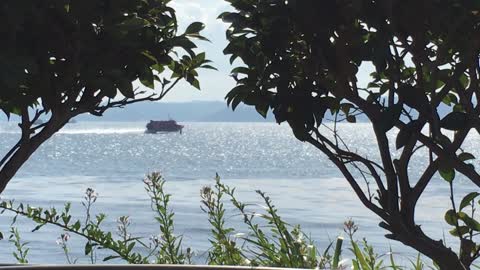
x,y
113,158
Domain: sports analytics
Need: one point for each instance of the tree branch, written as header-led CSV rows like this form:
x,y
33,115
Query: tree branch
x,y
356,158
459,165
99,110
422,183
351,180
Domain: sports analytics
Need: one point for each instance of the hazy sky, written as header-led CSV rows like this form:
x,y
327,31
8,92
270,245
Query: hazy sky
x,y
214,84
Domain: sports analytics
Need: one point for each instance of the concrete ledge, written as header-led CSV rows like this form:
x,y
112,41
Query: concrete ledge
x,y
130,267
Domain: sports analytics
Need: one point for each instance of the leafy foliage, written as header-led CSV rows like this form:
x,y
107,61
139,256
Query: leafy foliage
x,y
21,252
165,249
301,59
268,241
59,51
62,58
170,246
224,247
465,223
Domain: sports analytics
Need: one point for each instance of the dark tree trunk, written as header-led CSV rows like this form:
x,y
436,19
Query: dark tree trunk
x,y
435,250
27,147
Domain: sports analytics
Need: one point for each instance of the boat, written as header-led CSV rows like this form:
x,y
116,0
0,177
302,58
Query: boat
x,y
163,126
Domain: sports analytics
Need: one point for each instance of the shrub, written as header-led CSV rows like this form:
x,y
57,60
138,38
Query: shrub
x,y
269,240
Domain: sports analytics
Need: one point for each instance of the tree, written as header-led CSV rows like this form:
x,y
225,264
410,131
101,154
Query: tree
x,y
62,58
301,58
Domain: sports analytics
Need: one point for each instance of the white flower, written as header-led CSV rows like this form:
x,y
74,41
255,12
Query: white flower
x,y
65,237
62,240
155,239
299,239
90,194
344,263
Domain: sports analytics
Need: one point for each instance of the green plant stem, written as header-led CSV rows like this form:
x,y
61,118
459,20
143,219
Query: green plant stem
x,y
98,241
284,235
161,206
338,252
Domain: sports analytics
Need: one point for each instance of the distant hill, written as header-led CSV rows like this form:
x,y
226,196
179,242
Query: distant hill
x,y
197,111
241,114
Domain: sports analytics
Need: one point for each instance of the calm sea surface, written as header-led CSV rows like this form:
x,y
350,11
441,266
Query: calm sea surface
x,y
113,158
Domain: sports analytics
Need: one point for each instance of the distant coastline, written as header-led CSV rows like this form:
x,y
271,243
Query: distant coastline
x,y
194,111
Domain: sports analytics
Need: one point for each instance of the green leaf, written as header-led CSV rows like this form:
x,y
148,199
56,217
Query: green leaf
x,y
196,83
38,227
66,219
466,156
462,231
464,81
447,174
451,217
159,68
390,117
235,102
468,199
355,265
194,28
458,108
240,70
406,133
351,119
359,255
454,121
414,97
200,58
199,37
76,226
346,107
125,87
110,258
130,247
88,248
262,109
185,43
470,222
146,78
209,67
337,253
106,86
443,140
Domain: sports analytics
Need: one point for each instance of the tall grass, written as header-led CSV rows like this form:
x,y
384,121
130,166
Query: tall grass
x,y
268,239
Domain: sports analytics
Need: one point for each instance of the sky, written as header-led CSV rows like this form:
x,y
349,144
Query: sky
x,y
214,84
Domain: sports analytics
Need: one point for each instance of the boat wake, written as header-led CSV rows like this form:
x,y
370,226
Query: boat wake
x,y
102,131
